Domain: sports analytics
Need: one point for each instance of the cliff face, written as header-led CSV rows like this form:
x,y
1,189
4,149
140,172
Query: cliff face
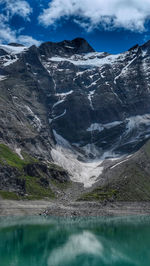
x,y
65,103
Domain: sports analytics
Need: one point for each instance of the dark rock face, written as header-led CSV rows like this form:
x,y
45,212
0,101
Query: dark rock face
x,y
65,48
10,181
2,52
48,172
86,97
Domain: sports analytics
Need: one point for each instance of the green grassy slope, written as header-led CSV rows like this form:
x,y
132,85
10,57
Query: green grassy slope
x,y
37,185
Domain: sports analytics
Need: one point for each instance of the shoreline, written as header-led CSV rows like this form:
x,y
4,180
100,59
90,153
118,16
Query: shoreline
x,y
72,209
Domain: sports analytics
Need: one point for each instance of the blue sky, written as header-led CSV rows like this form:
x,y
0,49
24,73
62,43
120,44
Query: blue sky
x,y
108,25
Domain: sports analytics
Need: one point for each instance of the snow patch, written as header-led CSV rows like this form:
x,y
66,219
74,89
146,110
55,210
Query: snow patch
x,y
101,127
124,70
112,124
92,150
18,151
62,97
95,127
136,121
57,103
90,59
90,95
10,61
70,47
144,53
80,73
56,117
36,120
93,83
2,77
102,74
121,162
13,49
64,93
84,172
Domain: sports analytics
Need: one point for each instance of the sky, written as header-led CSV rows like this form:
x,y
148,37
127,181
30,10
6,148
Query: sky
x,y
112,26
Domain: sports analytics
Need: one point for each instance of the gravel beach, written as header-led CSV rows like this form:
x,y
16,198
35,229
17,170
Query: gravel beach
x,y
72,209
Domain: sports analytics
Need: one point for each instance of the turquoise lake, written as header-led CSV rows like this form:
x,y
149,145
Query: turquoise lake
x,y
42,241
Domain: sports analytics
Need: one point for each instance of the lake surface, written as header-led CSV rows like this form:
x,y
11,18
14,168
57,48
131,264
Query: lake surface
x,y
41,241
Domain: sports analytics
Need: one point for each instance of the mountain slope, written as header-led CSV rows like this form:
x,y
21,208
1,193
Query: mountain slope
x,y
67,104
127,180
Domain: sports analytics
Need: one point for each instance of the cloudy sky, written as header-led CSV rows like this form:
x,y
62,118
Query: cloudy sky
x,y
109,25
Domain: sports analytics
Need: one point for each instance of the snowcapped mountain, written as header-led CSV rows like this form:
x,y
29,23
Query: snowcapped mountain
x,y
66,103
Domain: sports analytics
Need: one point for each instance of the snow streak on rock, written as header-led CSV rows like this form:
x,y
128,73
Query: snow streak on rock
x,y
94,60
90,95
35,119
101,127
18,151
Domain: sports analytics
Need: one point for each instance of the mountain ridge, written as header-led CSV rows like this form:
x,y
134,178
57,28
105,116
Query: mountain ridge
x,y
71,104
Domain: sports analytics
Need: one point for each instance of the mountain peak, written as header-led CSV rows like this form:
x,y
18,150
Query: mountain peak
x,y
82,45
134,47
146,45
66,47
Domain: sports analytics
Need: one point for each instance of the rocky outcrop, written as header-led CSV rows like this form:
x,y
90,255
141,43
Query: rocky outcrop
x,y
45,171
21,181
27,177
10,181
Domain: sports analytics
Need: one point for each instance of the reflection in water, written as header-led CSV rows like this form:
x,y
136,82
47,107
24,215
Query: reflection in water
x,y
81,242
84,243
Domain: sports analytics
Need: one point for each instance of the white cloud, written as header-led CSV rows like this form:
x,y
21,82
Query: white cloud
x,y
127,14
6,34
27,40
16,7
9,9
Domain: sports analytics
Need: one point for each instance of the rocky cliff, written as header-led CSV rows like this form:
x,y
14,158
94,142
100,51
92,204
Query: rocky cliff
x,y
66,104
